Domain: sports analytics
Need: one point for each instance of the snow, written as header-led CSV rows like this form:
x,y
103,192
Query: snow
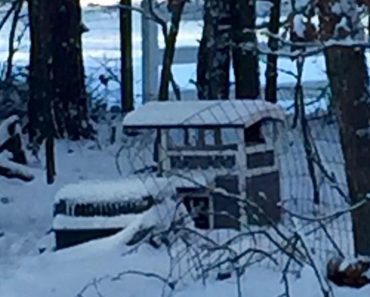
x,y
27,216
205,112
85,3
14,167
124,189
26,209
96,267
299,26
61,222
342,25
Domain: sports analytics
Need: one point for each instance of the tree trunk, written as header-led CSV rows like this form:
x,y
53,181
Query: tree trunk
x,y
271,68
348,77
70,107
349,82
56,65
127,93
213,68
245,57
176,7
41,79
41,76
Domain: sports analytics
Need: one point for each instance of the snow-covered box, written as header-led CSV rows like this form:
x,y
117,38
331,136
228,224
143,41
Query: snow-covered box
x,y
93,209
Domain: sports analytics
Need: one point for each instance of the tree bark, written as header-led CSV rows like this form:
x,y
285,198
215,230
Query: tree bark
x,y
42,79
127,93
41,75
245,57
349,82
56,69
348,78
271,73
213,68
70,102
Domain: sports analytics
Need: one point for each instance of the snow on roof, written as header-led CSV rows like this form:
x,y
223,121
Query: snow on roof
x,y
202,113
118,190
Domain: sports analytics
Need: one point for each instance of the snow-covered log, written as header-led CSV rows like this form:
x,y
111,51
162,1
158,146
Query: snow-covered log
x,y
11,140
11,169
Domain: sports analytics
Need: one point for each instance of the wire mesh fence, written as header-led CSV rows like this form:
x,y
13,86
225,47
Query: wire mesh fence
x,y
258,195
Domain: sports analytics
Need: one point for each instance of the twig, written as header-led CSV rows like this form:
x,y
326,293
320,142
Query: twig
x,y
8,14
119,276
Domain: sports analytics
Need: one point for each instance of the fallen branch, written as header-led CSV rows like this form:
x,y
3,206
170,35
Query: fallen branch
x,y
11,140
12,170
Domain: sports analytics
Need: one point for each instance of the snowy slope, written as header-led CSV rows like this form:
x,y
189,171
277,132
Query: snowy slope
x,y
92,269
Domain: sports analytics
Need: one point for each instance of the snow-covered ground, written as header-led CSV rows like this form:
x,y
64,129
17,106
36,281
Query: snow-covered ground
x,y
107,268
26,218
26,209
